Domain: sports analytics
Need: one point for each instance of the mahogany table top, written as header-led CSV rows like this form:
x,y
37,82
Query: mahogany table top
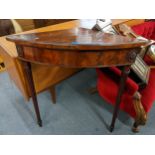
x,y
75,39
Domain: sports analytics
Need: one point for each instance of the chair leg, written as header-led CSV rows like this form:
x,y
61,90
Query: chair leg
x,y
53,94
141,116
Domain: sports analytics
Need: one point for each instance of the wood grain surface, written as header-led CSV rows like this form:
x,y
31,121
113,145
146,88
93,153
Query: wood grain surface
x,y
14,68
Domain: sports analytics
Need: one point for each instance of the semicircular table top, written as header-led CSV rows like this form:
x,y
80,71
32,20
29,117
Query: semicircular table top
x,y
63,48
76,39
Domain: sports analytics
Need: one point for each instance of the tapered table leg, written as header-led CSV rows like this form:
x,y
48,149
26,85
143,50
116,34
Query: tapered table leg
x,y
125,73
29,77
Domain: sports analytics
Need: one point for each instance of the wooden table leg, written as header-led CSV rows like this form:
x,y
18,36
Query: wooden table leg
x,y
29,77
124,75
53,94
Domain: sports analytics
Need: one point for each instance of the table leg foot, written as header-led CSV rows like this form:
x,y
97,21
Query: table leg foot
x,y
40,123
111,128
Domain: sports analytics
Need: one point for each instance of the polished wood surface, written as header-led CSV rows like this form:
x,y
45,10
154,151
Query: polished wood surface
x,y
14,68
10,48
78,59
46,22
78,47
76,39
27,24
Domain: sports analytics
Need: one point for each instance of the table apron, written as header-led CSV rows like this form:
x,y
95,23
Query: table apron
x,y
78,59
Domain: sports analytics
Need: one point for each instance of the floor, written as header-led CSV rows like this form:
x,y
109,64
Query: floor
x,y
76,112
